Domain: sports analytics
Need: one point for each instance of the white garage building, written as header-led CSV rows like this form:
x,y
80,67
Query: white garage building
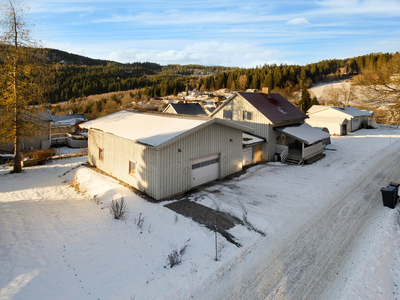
x,y
339,119
164,155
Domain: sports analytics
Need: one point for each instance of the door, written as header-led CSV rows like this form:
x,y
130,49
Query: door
x,y
247,156
344,129
258,153
205,169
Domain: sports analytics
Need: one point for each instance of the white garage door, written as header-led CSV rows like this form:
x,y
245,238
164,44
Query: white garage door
x,y
205,169
247,156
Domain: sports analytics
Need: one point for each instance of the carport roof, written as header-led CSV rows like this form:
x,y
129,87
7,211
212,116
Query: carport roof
x,y
304,133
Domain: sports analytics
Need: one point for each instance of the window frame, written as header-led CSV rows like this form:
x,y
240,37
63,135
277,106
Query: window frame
x,y
132,173
246,115
227,111
101,154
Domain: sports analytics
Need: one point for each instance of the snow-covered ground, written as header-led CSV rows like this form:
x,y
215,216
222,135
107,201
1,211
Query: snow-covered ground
x,y
327,234
319,89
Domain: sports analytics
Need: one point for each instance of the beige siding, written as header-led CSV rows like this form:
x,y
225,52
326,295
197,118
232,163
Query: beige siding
x,y
175,167
170,110
117,154
261,125
167,171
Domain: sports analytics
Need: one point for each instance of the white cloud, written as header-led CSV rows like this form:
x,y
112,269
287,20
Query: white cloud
x,y
206,53
298,21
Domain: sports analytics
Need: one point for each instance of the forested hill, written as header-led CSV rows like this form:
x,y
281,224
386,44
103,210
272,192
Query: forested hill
x,y
78,76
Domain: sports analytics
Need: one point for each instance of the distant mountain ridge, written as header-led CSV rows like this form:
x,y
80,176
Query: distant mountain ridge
x,y
58,56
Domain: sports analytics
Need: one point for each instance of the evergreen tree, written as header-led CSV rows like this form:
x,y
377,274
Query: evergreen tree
x,y
24,80
305,101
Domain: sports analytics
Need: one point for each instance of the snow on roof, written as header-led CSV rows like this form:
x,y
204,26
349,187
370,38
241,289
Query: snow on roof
x,y
326,119
67,123
354,112
67,120
304,132
348,110
148,129
152,129
251,139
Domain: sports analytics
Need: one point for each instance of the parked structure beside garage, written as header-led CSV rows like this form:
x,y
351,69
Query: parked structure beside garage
x,y
164,155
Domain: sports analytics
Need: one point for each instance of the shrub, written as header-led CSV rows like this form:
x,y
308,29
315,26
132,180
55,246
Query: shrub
x,y
40,155
140,221
118,208
175,257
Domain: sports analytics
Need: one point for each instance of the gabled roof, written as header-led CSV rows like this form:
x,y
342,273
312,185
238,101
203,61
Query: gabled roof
x,y
68,120
347,110
192,109
154,129
273,106
45,115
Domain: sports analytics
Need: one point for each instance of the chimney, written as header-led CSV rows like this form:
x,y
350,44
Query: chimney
x,y
265,90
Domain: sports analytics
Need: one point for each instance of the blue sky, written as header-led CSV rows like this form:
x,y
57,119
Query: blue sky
x,y
218,32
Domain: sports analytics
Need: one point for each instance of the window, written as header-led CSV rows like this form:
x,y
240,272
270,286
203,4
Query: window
x,y
205,163
228,114
101,153
132,168
247,115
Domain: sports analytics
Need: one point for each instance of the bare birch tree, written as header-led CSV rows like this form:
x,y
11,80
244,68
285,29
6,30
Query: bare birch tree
x,y
381,89
25,78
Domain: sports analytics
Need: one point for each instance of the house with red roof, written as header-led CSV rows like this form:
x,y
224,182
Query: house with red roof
x,y
280,122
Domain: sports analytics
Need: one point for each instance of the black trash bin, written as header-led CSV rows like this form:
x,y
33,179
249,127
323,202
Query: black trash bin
x,y
389,196
395,185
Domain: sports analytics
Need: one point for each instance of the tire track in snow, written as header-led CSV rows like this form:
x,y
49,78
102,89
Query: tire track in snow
x,y
307,263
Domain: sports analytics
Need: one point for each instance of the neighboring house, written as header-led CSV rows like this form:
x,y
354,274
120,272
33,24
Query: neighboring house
x,y
210,110
41,140
66,123
163,155
192,109
278,121
65,131
339,119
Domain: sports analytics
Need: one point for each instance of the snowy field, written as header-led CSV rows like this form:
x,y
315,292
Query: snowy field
x,y
318,89
327,234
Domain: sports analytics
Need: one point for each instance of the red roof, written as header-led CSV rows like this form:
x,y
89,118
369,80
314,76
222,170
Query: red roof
x,y
274,107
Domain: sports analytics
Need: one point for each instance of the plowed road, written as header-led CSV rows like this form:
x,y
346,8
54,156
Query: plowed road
x,y
306,264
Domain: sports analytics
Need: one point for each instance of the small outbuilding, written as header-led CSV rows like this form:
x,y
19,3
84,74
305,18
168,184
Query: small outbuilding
x,y
163,155
339,119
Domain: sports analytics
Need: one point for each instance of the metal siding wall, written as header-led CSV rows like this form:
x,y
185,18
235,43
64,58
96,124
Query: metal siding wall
x,y
175,170
117,153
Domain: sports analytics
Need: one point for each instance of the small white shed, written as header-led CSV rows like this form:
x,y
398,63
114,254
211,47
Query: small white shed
x,y
356,118
163,155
